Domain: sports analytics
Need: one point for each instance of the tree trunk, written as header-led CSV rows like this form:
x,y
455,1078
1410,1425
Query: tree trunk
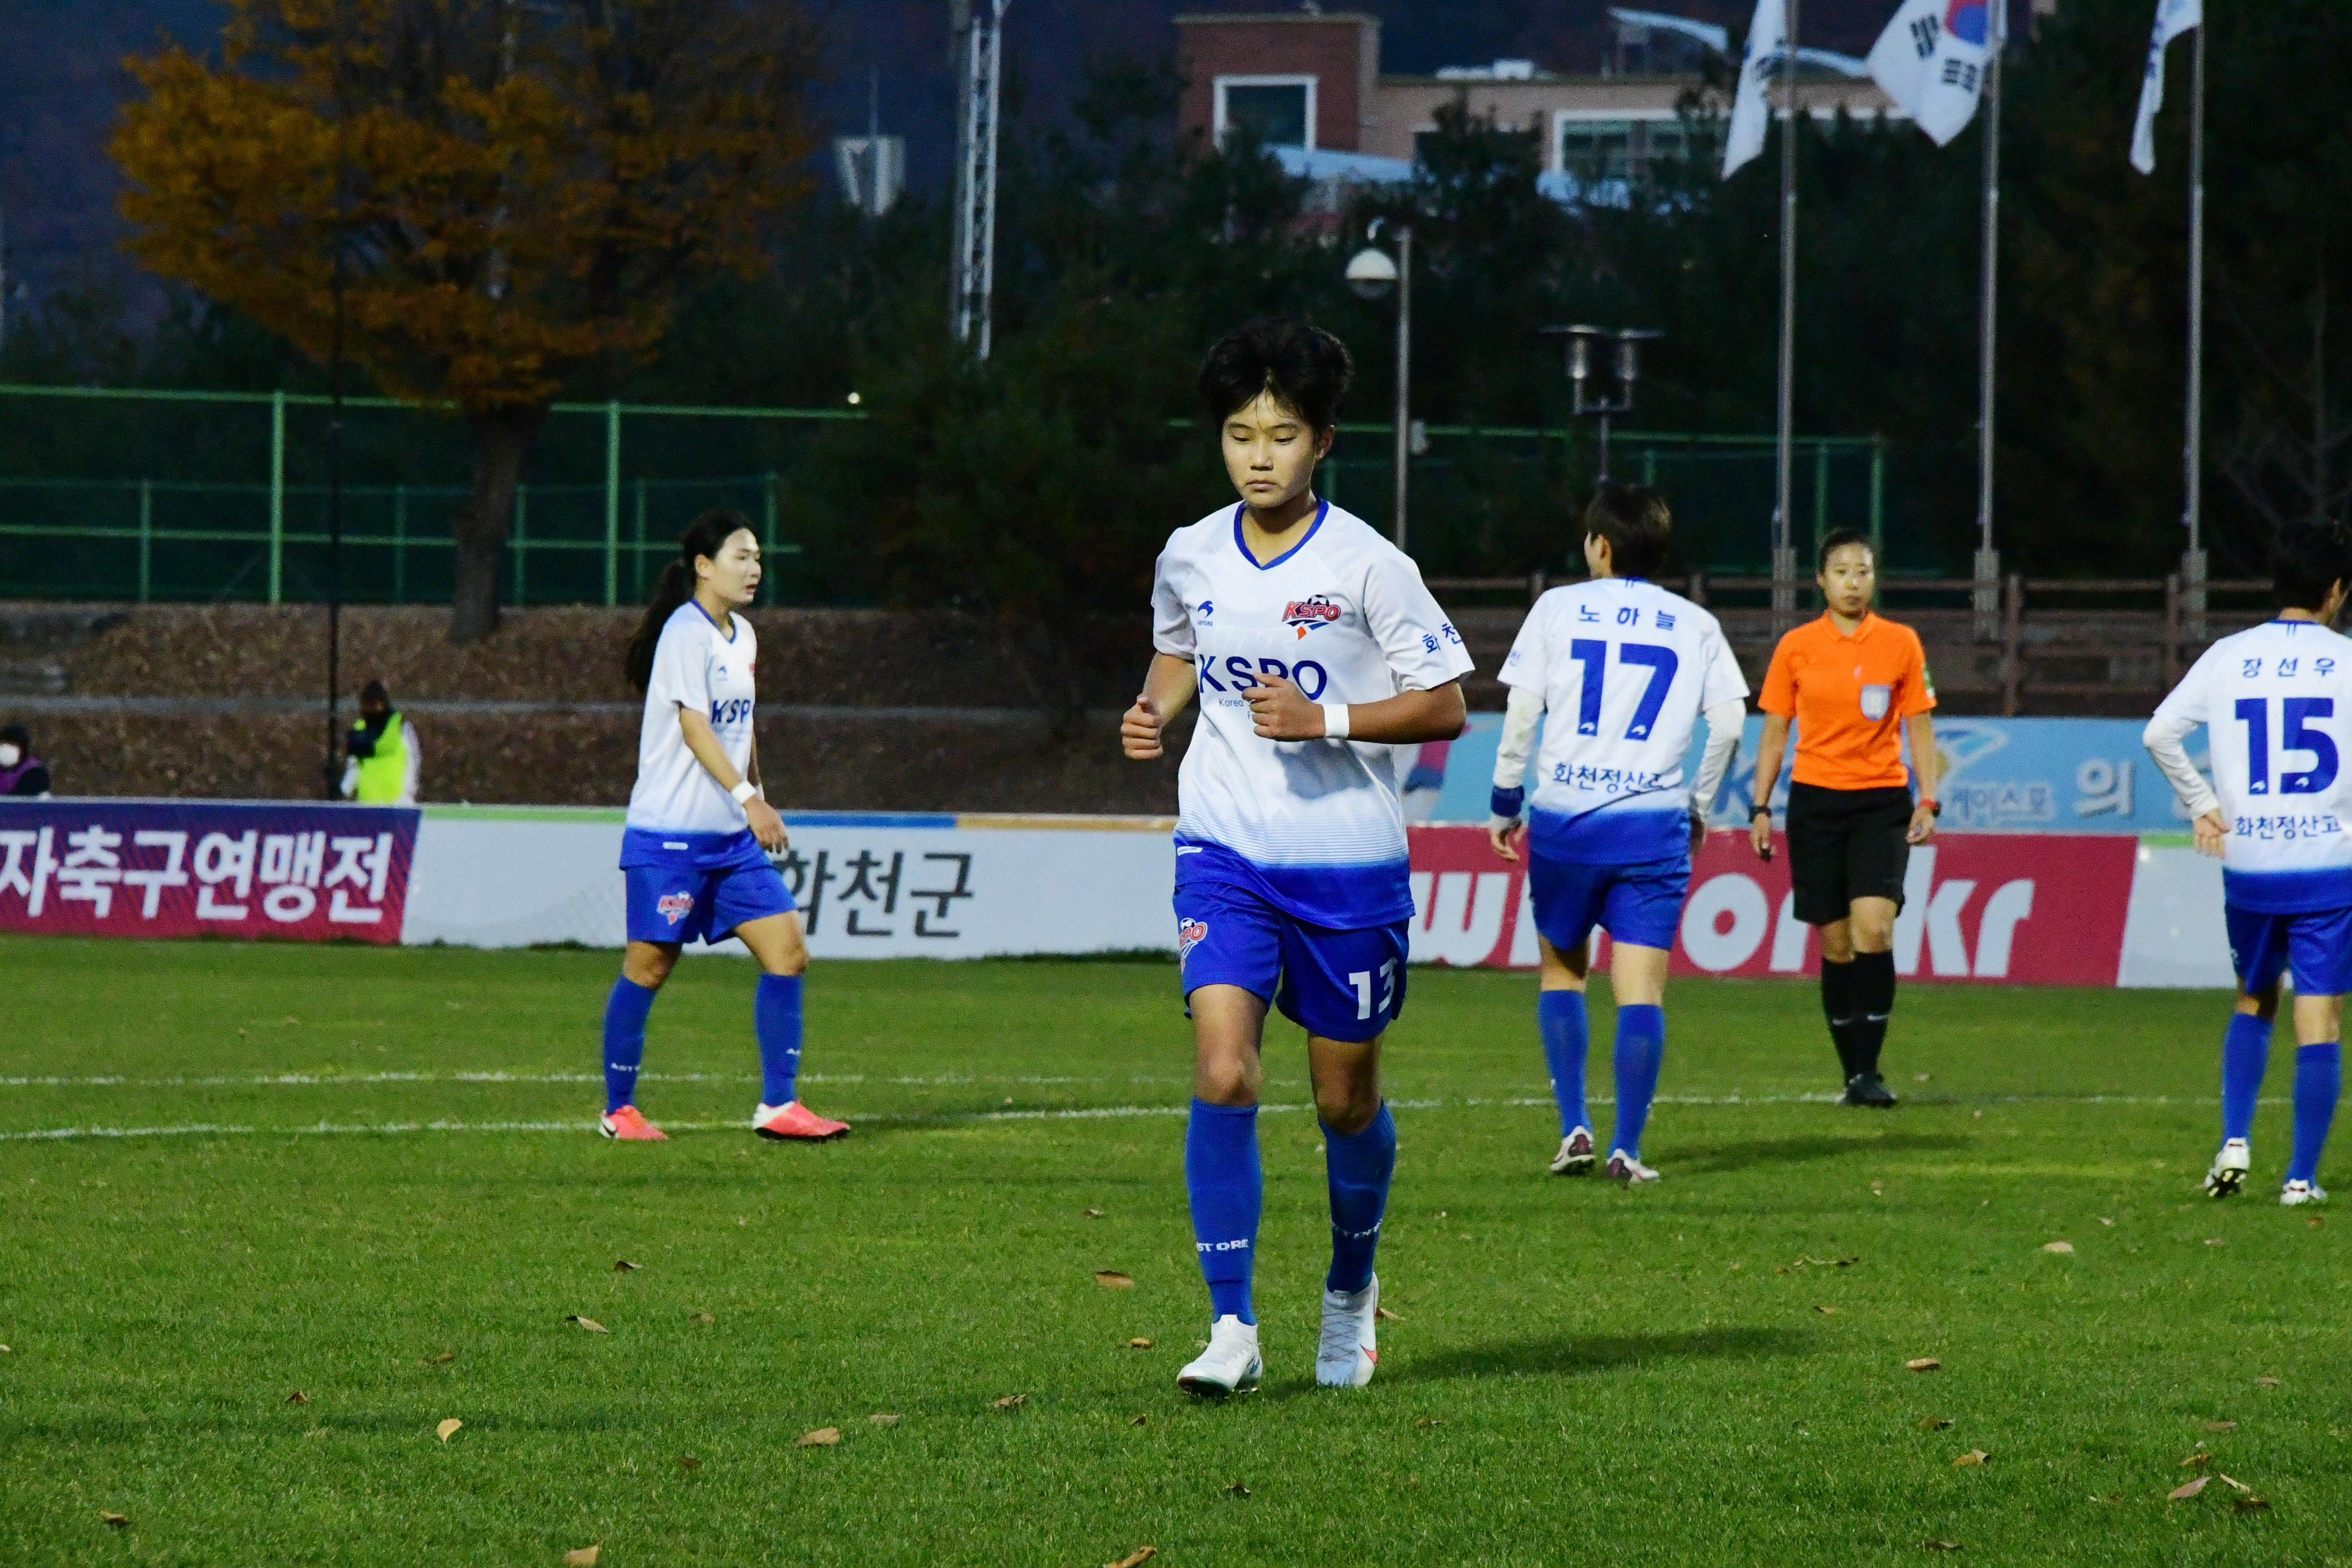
x,y
502,441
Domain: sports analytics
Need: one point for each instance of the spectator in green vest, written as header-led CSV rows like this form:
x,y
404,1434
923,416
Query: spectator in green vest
x,y
381,752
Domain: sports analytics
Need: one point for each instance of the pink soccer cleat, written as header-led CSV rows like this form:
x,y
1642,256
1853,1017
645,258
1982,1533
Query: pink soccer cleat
x,y
627,1125
796,1123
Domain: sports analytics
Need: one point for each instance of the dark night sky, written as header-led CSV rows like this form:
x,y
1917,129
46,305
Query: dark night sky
x,y
61,78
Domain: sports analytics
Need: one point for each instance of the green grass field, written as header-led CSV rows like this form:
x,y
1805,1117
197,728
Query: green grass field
x,y
367,1176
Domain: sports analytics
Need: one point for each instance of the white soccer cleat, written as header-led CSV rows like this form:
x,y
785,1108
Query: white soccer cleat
x,y
1575,1156
1230,1365
2297,1193
2229,1171
1623,1167
1348,1351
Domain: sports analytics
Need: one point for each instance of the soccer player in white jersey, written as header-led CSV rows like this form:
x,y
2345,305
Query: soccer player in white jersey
x,y
695,849
1626,670
2277,704
1314,651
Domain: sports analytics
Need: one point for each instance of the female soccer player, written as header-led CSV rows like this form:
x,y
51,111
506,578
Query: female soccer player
x,y
698,827
1313,649
1851,681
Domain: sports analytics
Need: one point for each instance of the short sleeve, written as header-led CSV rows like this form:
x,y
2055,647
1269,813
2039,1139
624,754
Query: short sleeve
x,y
1529,663
1421,646
1172,618
681,669
1918,686
1779,696
1723,681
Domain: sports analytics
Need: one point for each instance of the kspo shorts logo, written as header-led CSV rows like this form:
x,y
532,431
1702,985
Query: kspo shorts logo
x,y
1189,935
1875,701
676,907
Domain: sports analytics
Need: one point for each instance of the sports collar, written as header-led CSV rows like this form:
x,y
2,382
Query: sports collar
x,y
1861,632
1322,509
730,633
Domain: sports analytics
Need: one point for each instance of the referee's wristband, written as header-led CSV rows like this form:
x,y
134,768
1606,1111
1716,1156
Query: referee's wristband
x,y
1756,812
744,791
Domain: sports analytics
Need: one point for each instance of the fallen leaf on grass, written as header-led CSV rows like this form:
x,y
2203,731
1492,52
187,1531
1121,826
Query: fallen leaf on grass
x,y
591,1324
2187,1490
2221,1426
2105,1220
1428,1421
2267,1381
823,1438
1921,1077
117,1521
2250,1505
1141,1421
316,1432
1237,1490
1939,1546
1135,1559
1972,1460
2111,1497
1097,1214
702,1318
583,1557
2315,1222
436,1360
1112,1280
1138,1343
1383,1315
447,1429
2195,1460
1825,1311
297,1397
883,1418
2062,1247
1935,1422
623,1266
688,1462
1922,1363
1010,1401
2239,1485
2217,1241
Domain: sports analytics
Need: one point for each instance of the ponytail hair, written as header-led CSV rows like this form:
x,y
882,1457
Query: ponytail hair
x,y
704,537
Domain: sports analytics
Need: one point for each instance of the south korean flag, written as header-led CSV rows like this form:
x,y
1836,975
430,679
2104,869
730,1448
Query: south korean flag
x,y
1931,61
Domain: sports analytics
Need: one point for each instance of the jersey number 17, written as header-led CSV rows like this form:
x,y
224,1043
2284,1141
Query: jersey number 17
x,y
1591,656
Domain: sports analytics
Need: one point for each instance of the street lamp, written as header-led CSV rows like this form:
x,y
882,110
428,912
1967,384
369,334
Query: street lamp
x,y
1626,371
1372,274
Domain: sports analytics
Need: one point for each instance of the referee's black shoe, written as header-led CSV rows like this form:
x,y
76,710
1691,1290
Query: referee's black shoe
x,y
1868,1089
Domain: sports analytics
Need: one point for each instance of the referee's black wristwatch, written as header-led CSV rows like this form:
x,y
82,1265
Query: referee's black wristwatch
x,y
1754,811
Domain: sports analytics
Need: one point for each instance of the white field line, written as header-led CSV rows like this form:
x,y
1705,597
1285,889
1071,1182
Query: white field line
x,y
308,1080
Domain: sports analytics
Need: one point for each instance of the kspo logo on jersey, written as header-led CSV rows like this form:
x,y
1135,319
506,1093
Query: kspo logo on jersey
x,y
1235,673
676,907
1311,614
733,710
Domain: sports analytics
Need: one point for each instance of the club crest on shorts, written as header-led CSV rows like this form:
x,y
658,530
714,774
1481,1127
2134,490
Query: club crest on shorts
x,y
1315,610
1875,701
676,907
1189,935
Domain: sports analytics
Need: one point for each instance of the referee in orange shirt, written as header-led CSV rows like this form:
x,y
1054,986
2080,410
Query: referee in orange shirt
x,y
1853,683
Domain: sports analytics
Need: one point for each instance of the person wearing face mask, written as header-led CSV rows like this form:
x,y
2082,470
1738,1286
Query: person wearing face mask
x,y
382,753
22,776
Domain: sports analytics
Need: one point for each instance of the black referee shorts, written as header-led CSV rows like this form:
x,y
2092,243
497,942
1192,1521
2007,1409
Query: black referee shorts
x,y
1846,844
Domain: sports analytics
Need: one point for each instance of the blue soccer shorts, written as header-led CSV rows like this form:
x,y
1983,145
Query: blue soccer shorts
x,y
1340,984
704,893
2315,945
1640,904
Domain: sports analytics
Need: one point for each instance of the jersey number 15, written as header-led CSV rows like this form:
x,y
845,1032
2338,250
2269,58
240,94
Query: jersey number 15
x,y
1592,655
2295,735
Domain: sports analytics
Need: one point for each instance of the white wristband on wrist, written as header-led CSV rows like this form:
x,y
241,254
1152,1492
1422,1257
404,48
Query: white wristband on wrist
x,y
743,792
1335,720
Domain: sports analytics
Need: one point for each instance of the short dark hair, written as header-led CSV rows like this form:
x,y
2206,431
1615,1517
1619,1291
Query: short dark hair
x,y
1837,538
1633,519
2308,559
16,734
374,691
1305,367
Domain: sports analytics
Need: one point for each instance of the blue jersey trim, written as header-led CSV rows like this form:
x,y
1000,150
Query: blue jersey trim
x,y
1338,898
728,634
1321,513
2287,892
1620,833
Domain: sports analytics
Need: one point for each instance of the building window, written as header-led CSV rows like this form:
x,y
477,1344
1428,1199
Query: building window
x,y
1596,149
1279,111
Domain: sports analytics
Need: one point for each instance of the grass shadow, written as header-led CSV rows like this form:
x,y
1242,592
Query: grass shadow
x,y
1570,1355
1750,1151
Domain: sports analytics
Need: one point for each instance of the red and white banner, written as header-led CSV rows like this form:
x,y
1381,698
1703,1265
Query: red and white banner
x,y
168,868
2032,908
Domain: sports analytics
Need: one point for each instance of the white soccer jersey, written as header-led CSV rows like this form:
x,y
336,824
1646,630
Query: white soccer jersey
x,y
2277,704
695,666
1624,668
1314,826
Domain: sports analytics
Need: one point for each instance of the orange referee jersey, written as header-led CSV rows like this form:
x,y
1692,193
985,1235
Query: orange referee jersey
x,y
1849,696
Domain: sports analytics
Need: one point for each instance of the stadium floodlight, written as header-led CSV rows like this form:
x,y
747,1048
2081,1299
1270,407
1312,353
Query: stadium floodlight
x,y
1624,369
1371,273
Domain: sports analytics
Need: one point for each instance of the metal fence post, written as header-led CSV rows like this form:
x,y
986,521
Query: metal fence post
x,y
277,494
611,503
1878,498
2172,631
767,533
522,512
641,536
2013,645
146,537
400,544
1821,492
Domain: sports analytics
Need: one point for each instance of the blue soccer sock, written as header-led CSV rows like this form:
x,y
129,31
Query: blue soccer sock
x,y
1560,1019
2245,1056
2318,1080
1228,1190
1358,1167
1641,1047
776,1018
625,1040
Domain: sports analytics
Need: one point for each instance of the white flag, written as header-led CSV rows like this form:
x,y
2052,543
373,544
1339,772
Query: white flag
x,y
2173,17
1931,61
1766,36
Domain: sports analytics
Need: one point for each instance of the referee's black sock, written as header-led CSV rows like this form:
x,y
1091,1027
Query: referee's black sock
x,y
1837,1007
1873,1003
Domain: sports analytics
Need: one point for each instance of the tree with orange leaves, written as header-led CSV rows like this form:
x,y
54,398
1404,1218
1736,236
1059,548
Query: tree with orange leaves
x,y
514,190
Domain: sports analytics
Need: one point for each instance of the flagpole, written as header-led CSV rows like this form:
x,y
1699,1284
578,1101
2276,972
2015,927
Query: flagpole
x,y
1988,563
2192,562
1784,556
